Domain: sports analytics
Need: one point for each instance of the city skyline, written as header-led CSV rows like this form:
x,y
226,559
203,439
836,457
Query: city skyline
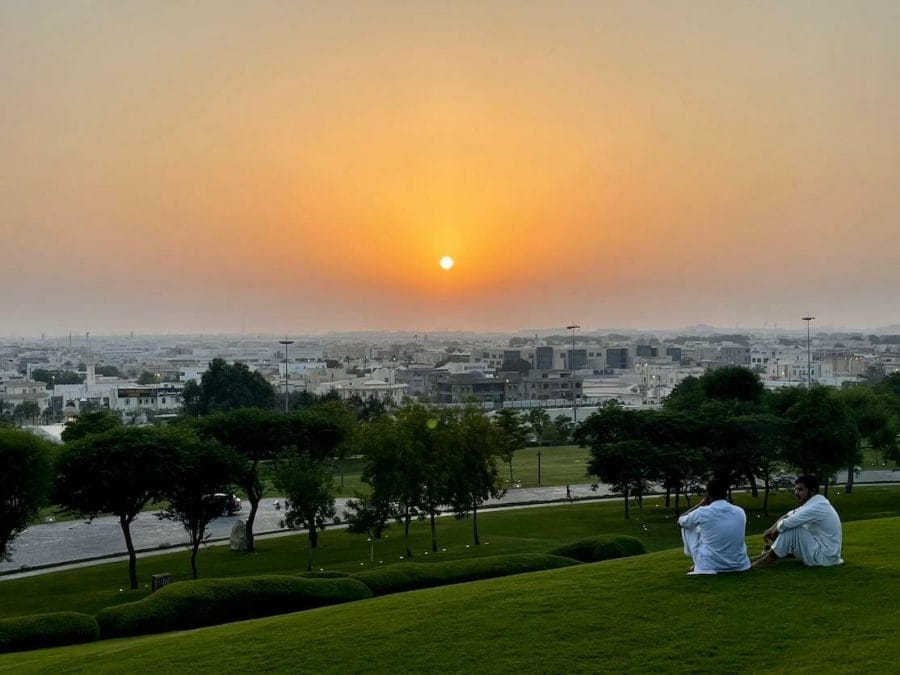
x,y
302,168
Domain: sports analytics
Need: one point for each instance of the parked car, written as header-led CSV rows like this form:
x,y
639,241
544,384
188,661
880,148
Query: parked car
x,y
229,504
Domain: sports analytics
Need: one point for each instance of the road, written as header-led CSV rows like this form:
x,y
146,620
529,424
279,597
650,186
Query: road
x,y
53,544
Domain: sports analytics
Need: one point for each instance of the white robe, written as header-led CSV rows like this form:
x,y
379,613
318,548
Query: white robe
x,y
811,532
713,537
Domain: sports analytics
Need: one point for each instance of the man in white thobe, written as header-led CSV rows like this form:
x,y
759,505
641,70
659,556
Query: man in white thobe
x,y
713,533
811,532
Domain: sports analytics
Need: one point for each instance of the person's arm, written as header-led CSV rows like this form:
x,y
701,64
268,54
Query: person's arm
x,y
771,534
690,517
807,513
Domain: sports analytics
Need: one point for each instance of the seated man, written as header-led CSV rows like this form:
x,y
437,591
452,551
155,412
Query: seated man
x,y
811,532
713,533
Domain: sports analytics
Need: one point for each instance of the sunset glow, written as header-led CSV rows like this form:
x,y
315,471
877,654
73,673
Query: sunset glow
x,y
299,167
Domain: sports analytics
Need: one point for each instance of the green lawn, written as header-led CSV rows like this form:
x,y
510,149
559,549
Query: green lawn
x,y
512,531
629,615
560,465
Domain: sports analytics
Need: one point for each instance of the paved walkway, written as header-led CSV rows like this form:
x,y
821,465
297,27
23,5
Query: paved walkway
x,y
52,545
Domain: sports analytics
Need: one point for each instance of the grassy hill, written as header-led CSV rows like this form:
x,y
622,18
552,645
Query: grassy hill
x,y
631,615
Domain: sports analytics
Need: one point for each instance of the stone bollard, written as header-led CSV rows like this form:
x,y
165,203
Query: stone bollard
x,y
157,581
239,536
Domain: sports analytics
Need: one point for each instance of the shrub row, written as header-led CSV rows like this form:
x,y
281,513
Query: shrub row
x,y
207,602
408,576
602,547
37,631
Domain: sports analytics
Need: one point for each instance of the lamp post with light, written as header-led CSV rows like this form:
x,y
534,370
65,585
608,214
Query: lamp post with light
x,y
573,328
286,344
807,319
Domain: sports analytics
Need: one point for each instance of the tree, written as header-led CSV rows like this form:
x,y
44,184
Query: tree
x,y
226,386
26,477
306,485
369,515
733,384
90,423
563,426
539,421
147,377
620,453
108,371
681,460
473,465
512,426
256,434
396,451
118,471
27,410
202,467
874,423
822,436
686,395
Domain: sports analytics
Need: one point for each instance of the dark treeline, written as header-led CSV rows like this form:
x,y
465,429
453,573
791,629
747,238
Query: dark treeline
x,y
725,424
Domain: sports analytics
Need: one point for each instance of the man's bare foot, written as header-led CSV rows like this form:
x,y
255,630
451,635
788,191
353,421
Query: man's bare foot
x,y
767,559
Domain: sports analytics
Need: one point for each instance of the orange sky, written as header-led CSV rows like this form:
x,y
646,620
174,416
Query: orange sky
x,y
302,167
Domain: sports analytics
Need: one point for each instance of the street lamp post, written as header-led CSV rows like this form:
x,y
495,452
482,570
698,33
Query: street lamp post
x,y
287,343
807,319
573,328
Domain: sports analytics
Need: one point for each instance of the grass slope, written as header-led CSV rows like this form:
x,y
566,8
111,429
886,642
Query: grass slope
x,y
628,615
536,530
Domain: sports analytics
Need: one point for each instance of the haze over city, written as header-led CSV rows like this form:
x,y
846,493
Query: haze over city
x,y
304,167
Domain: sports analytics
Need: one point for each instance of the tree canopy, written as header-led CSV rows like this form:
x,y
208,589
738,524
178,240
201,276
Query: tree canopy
x,y
225,386
118,471
26,477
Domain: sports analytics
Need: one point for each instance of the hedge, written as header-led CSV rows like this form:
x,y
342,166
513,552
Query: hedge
x,y
206,602
408,576
602,547
36,631
324,574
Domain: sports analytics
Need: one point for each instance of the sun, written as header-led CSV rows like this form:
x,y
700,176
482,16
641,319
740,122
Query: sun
x,y
446,262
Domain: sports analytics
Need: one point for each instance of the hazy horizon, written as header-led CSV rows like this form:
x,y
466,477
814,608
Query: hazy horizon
x,y
300,168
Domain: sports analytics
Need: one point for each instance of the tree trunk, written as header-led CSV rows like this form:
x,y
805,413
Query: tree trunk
x,y
195,546
433,532
851,474
677,502
626,502
341,464
406,519
132,556
766,498
372,548
254,507
510,470
475,522
312,544
754,490
668,497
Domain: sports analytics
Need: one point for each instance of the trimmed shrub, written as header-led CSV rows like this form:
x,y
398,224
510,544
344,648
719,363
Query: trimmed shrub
x,y
324,574
37,631
408,576
602,547
207,602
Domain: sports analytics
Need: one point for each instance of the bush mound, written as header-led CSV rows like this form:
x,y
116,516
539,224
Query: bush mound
x,y
207,602
324,574
37,631
601,547
407,576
